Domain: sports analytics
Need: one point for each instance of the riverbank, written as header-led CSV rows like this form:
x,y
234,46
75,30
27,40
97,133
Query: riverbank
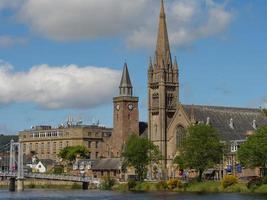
x,y
196,187
202,187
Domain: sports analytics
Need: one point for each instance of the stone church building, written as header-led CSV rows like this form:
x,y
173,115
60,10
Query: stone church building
x,y
168,118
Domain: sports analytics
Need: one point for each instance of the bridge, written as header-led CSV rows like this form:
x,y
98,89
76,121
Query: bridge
x,y
11,156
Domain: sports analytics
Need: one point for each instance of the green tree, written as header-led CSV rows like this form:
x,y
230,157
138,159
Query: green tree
x,y
70,153
201,149
139,153
265,111
253,152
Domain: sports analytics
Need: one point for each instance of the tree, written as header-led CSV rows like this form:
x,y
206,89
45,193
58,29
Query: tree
x,y
70,153
201,149
253,152
265,111
139,153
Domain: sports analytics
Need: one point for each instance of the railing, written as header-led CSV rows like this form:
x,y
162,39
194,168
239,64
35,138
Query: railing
x,y
52,177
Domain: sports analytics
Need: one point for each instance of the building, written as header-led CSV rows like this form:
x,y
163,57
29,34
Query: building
x,y
125,114
46,142
168,118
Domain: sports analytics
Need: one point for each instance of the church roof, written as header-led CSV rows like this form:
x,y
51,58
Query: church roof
x,y
231,123
125,79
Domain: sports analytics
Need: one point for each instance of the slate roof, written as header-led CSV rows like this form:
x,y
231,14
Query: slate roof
x,y
220,119
143,129
125,79
107,164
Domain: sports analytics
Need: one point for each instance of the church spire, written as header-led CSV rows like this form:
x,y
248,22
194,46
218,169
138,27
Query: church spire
x,y
163,46
126,88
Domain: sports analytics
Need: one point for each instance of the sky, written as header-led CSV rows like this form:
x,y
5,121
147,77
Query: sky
x,y
61,58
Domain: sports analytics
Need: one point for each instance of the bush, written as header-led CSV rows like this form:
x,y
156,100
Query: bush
x,y
253,183
162,185
229,180
264,180
107,183
131,184
174,183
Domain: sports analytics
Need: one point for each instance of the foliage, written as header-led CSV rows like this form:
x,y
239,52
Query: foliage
x,y
254,183
162,185
229,180
253,152
202,149
131,184
58,169
139,153
265,111
107,183
76,186
174,183
264,180
70,153
207,186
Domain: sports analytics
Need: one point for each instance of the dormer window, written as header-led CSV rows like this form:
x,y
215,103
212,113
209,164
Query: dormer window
x,y
231,124
254,124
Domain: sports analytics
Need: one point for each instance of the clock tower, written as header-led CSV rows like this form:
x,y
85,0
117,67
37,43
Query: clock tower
x,y
125,114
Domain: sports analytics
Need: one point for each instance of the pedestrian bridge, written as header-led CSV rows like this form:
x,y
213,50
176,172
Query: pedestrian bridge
x,y
52,177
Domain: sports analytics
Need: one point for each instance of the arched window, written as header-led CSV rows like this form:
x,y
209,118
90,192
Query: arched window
x,y
180,136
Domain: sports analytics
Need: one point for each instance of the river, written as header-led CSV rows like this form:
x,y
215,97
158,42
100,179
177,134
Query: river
x,y
106,195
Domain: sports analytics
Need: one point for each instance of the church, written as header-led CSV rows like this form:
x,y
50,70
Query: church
x,y
168,118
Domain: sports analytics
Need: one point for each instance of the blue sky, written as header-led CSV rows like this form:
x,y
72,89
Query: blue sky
x,y
64,57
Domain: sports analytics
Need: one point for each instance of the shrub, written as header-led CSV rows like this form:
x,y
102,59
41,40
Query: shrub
x,y
107,183
162,185
255,182
264,180
229,180
131,184
174,183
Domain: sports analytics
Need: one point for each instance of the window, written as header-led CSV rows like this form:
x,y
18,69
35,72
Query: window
x,y
89,134
89,155
89,144
180,136
96,154
48,147
96,144
54,147
42,148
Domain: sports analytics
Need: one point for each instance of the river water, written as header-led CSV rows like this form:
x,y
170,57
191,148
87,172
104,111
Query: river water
x,y
100,195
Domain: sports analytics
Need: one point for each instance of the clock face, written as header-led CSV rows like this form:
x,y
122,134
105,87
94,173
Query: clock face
x,y
130,106
117,107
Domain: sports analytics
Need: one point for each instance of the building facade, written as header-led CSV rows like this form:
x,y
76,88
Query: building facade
x,y
46,142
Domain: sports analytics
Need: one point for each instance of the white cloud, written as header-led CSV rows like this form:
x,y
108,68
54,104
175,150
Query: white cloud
x,y
134,20
7,41
58,87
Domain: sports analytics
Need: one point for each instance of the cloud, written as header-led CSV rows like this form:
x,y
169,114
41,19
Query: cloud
x,y
9,4
56,87
135,21
7,41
